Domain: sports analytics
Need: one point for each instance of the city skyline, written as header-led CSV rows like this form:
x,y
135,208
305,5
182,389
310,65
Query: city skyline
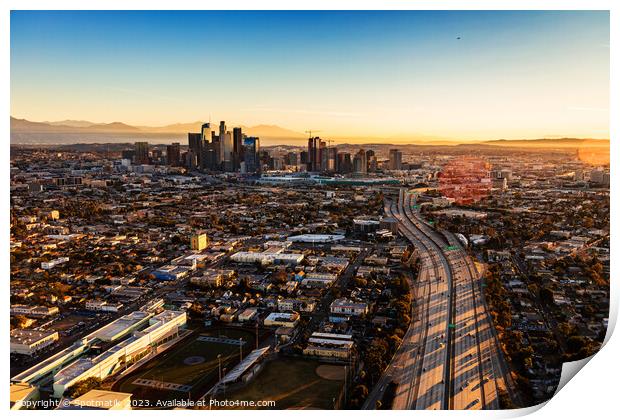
x,y
452,75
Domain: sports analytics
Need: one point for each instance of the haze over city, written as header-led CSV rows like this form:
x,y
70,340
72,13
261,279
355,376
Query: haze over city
x,y
306,210
414,75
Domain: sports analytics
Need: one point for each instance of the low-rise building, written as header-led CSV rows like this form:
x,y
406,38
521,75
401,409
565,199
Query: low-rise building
x,y
99,399
48,265
161,328
22,394
199,241
338,346
34,311
266,258
30,342
281,319
348,307
103,306
248,314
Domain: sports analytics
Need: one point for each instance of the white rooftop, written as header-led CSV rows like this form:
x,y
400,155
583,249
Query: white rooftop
x,y
124,323
315,238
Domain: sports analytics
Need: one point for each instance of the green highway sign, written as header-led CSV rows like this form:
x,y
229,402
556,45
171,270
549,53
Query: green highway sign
x,y
451,326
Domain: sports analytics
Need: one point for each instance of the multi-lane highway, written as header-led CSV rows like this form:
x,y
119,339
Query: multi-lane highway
x,y
449,358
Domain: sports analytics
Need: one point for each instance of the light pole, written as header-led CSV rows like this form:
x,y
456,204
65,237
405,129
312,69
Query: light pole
x,y
219,366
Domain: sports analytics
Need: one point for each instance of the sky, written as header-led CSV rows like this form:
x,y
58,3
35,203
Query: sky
x,y
385,74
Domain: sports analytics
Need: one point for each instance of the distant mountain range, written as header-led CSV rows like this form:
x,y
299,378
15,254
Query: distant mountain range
x,y
79,126
273,134
564,142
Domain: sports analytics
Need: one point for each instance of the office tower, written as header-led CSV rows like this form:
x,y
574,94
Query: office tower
x,y
344,165
303,157
156,156
314,154
191,160
291,159
226,147
237,147
228,164
321,156
195,147
396,158
357,164
222,129
251,146
141,156
173,154
205,132
332,158
276,163
210,155
222,139
360,164
128,154
312,164
372,164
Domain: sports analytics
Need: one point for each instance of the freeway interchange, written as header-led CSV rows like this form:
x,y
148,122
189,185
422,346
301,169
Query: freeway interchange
x,y
449,357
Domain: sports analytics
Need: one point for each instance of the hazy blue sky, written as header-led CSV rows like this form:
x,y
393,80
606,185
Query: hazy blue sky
x,y
511,75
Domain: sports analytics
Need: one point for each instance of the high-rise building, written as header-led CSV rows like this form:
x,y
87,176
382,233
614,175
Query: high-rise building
x,y
396,160
303,158
173,154
373,164
332,158
191,160
344,165
195,147
321,156
226,148
313,163
210,155
157,156
251,147
290,159
228,164
205,132
360,164
237,147
141,156
128,154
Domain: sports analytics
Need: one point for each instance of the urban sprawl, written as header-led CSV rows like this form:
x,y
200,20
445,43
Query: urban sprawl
x,y
327,276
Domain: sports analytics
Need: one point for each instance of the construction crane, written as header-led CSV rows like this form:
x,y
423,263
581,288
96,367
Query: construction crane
x,y
310,132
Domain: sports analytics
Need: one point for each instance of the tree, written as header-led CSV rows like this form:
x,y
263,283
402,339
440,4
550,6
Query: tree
x,y
19,321
360,392
82,387
546,295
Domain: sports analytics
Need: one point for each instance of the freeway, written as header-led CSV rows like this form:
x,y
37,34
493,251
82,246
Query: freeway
x,y
449,357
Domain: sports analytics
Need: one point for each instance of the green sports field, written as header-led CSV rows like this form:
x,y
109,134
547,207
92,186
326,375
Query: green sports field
x,y
191,364
291,383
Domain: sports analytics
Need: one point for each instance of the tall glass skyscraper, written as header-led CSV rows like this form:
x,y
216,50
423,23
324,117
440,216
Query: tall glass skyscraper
x,y
252,149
